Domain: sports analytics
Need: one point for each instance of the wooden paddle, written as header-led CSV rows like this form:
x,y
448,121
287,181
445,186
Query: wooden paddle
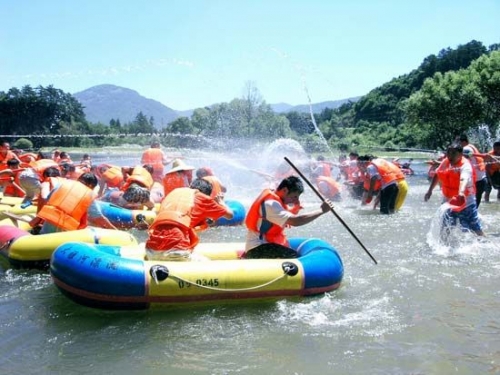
x,y
331,208
15,218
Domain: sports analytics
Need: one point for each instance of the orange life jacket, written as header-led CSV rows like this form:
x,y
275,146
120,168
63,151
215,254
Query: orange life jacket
x,y
39,166
268,231
492,167
176,209
386,169
366,183
27,158
481,166
13,189
141,176
333,186
449,176
172,181
67,205
74,175
154,157
216,185
4,158
324,169
112,176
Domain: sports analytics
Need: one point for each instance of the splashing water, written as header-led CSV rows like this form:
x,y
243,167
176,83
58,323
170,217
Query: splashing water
x,y
457,241
316,128
482,138
275,152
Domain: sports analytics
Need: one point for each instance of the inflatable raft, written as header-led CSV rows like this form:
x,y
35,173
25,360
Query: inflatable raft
x,y
116,277
13,205
124,218
25,250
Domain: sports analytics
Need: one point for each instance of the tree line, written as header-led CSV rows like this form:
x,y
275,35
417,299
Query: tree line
x,y
450,93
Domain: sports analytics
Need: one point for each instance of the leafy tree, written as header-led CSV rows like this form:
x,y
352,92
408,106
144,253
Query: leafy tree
x,y
38,111
300,122
23,144
446,106
385,103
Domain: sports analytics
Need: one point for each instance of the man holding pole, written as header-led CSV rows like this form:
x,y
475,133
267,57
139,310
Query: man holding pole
x,y
270,213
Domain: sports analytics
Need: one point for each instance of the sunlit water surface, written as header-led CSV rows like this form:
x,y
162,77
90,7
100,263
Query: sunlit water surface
x,y
426,308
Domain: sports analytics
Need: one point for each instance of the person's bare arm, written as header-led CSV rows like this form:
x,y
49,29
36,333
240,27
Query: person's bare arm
x,y
306,218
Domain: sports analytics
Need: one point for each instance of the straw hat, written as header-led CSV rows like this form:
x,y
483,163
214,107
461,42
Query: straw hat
x,y
179,165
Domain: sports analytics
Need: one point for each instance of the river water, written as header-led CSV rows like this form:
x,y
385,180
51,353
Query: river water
x,y
424,309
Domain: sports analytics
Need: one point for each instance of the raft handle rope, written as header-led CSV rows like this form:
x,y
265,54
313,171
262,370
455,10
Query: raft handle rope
x,y
160,273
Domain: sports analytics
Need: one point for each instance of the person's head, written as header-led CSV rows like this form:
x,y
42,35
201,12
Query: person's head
x,y
320,158
136,194
467,151
101,168
149,168
203,172
496,148
5,146
454,152
13,163
463,139
40,155
51,172
89,180
363,161
353,155
155,144
86,157
64,155
289,189
65,167
179,166
202,185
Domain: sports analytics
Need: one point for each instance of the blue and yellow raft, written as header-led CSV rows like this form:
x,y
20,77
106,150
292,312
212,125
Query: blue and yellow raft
x,y
22,249
124,218
119,277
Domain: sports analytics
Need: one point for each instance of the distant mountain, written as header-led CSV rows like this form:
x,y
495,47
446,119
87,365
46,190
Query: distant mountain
x,y
105,102
281,107
316,107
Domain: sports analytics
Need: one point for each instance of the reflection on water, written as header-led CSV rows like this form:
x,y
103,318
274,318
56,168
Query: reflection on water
x,y
423,309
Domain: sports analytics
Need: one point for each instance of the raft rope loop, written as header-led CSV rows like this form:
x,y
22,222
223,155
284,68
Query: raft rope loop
x,y
289,269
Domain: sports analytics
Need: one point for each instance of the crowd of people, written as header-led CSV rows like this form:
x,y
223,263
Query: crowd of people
x,y
66,193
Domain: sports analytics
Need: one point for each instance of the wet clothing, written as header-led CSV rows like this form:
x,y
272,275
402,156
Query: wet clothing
x,y
181,212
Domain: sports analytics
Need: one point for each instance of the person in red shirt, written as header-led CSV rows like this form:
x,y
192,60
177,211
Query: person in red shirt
x,y
172,236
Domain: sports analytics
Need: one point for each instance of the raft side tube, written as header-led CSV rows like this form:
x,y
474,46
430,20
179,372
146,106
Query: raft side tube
x,y
123,217
83,267
322,264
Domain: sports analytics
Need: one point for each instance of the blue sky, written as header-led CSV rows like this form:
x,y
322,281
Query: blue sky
x,y
192,53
